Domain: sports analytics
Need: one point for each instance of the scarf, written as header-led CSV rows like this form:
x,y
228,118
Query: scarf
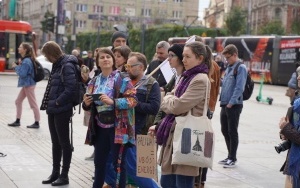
x,y
45,100
294,152
163,131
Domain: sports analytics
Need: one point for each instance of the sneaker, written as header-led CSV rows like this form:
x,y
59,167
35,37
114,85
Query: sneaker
x,y
33,126
14,124
224,161
230,164
91,158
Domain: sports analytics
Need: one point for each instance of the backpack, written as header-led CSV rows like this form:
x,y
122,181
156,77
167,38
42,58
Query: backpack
x,y
39,73
150,118
249,86
80,86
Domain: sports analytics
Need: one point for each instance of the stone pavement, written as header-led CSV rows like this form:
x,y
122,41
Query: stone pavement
x,y
28,159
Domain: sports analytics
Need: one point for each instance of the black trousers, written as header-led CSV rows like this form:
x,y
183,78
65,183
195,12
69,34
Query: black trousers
x,y
60,137
229,126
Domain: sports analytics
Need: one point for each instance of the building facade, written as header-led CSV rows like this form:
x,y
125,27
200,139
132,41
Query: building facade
x,y
259,12
91,15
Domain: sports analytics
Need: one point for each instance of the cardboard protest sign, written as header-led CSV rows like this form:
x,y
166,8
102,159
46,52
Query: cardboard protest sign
x,y
146,157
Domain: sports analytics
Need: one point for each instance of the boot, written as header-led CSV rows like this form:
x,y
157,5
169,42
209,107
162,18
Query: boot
x,y
51,178
62,180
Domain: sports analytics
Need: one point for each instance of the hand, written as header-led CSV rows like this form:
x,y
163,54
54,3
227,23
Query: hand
x,y
14,65
105,99
162,89
151,130
87,100
229,105
84,76
283,122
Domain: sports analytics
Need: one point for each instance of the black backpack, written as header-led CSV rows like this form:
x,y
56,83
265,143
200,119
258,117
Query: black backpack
x,y
249,86
39,73
80,86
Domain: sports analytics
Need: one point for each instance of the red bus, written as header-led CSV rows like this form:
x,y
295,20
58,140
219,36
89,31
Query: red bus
x,y
12,34
274,56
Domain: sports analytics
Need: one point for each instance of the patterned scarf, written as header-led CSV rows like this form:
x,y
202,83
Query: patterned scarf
x,y
45,100
163,131
294,152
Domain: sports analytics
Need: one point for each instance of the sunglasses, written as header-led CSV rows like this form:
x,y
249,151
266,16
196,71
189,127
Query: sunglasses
x,y
127,66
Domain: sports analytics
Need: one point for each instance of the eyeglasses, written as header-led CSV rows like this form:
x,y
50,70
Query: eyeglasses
x,y
172,55
127,66
228,57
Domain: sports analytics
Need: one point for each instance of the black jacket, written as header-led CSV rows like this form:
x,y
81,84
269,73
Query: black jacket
x,y
158,74
62,85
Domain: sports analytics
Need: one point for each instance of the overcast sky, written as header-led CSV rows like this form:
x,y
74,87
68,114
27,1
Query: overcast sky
x,y
202,5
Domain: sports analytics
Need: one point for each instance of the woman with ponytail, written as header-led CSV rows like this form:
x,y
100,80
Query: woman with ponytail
x,y
188,95
25,71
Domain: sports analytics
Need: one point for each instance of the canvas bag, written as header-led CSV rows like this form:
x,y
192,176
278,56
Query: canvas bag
x,y
193,142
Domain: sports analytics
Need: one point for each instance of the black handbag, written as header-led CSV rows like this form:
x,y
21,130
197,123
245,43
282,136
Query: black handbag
x,y
107,117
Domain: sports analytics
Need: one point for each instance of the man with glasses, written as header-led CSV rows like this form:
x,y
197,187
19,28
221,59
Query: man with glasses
x,y
231,102
148,104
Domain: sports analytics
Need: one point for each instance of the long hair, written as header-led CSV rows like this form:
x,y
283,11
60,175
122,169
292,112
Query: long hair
x,y
28,50
52,49
200,49
106,51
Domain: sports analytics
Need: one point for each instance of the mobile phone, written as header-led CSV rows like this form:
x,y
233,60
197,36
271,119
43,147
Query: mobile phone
x,y
95,96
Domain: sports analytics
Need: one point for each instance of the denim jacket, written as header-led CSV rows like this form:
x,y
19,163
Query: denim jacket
x,y
25,71
233,87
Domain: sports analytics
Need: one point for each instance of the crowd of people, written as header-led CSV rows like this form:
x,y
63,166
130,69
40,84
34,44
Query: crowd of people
x,y
129,103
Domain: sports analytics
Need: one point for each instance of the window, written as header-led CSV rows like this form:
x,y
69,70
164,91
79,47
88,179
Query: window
x,y
80,23
81,7
146,12
177,14
278,13
97,9
177,1
114,10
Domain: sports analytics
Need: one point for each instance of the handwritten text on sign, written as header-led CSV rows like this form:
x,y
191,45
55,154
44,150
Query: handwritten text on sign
x,y
146,157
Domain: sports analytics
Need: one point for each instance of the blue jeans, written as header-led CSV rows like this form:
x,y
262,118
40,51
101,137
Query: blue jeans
x,y
131,172
176,181
104,145
229,126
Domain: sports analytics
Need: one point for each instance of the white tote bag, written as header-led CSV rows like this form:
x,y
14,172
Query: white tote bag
x,y
193,142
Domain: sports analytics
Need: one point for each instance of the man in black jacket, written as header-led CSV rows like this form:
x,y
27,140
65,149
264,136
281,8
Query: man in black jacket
x,y
58,103
160,55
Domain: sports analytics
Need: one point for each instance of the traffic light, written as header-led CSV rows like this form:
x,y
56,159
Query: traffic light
x,y
50,24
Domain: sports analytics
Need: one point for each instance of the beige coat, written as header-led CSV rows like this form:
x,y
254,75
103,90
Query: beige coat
x,y
193,99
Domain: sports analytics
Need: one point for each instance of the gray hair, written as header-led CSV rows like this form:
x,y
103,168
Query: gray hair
x,y
163,44
75,52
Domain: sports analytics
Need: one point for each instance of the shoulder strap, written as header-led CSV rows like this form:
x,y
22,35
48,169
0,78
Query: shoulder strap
x,y
150,83
235,69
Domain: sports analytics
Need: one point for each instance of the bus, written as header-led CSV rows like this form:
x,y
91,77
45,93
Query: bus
x,y
272,57
12,34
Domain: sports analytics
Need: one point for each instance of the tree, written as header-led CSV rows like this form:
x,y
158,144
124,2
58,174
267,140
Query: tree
x,y
236,21
296,26
272,27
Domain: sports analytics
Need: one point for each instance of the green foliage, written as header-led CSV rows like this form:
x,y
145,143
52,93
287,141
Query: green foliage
x,y
272,27
88,41
46,24
296,26
236,21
